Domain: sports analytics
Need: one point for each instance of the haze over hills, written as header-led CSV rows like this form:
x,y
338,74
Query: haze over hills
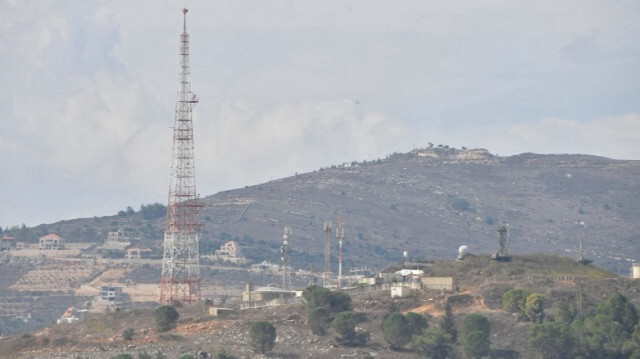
x,y
427,202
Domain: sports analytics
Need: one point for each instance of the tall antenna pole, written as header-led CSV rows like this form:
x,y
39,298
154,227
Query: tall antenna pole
x,y
340,236
285,250
327,254
180,264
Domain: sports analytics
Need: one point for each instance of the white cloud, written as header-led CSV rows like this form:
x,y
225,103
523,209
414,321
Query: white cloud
x,y
248,144
287,86
614,137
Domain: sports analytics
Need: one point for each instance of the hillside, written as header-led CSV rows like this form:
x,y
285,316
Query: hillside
x,y
427,202
430,201
481,284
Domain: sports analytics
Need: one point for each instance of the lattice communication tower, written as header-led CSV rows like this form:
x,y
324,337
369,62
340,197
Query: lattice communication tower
x,y
340,237
327,254
285,251
180,265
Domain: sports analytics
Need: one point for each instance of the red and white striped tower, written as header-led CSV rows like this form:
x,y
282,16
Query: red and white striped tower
x,y
180,264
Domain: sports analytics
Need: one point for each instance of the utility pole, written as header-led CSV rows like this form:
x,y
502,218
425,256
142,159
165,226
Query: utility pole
x,y
180,263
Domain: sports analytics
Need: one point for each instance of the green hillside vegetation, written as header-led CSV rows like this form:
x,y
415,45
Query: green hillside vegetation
x,y
478,267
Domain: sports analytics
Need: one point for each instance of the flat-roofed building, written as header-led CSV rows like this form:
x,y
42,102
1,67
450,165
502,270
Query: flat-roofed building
x,y
51,241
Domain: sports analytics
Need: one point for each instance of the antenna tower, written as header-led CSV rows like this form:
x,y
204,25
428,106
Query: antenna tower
x,y
327,254
340,236
180,264
504,231
285,251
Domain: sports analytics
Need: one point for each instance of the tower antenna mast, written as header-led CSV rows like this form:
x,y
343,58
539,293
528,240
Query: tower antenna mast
x,y
327,254
285,250
340,236
180,264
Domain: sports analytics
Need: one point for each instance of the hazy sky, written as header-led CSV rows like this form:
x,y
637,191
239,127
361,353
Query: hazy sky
x,y
89,88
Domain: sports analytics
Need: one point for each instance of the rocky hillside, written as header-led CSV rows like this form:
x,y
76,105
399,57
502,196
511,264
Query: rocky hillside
x,y
481,284
427,202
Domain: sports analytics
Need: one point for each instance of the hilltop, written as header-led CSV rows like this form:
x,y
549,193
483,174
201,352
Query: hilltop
x,y
427,202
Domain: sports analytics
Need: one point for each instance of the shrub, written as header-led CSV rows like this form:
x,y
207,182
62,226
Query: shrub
x,y
417,323
319,320
434,343
344,326
333,302
123,356
263,337
514,300
553,340
396,331
476,345
534,308
128,333
475,335
165,317
223,354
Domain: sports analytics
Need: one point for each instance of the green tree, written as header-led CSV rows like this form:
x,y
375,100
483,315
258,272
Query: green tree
x,y
344,326
553,340
565,313
316,296
434,343
475,322
417,323
339,302
514,300
319,320
263,336
396,331
165,317
534,307
476,345
602,337
333,302
475,335
633,344
619,309
448,323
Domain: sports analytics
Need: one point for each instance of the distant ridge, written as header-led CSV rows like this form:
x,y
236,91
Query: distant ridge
x,y
427,202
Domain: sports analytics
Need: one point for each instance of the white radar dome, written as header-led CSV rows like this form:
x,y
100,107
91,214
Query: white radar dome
x,y
463,251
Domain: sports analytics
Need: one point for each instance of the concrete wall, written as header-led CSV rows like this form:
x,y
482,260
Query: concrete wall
x,y
438,283
400,291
